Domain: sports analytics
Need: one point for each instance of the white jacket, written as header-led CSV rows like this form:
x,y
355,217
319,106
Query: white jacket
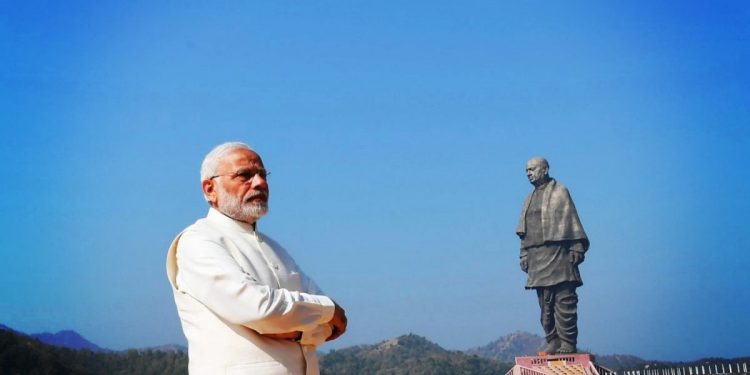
x,y
231,284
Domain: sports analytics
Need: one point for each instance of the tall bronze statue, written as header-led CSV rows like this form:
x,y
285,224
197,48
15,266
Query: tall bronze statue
x,y
553,244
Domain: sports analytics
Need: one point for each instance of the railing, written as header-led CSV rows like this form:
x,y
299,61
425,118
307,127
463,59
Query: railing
x,y
600,370
704,369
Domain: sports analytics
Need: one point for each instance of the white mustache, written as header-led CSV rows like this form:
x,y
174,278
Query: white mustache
x,y
256,194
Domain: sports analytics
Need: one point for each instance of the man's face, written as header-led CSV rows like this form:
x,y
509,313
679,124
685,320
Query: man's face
x,y
535,171
241,186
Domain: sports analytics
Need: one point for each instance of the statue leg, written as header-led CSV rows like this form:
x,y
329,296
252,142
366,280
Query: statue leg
x,y
566,316
546,297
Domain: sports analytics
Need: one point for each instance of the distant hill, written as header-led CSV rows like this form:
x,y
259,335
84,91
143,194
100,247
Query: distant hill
x,y
67,339
64,339
22,354
507,348
408,354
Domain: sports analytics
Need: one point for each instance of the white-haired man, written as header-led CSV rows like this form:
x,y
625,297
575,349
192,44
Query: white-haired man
x,y
244,304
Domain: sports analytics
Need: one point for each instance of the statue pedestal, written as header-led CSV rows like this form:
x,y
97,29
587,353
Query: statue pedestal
x,y
559,364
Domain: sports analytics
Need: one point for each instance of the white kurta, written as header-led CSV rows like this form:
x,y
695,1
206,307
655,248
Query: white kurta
x,y
232,284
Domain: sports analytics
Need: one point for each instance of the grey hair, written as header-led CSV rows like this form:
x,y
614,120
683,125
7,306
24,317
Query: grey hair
x,y
211,161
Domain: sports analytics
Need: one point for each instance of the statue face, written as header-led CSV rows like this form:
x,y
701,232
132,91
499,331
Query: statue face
x,y
536,172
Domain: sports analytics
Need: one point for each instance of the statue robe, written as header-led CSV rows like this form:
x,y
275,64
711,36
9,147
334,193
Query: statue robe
x,y
548,255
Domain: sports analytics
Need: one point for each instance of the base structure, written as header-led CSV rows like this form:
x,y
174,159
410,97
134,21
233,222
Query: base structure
x,y
559,364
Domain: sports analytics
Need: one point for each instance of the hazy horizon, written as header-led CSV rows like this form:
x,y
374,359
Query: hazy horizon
x,y
502,337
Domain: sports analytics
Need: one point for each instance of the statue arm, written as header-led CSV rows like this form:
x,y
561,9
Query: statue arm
x,y
577,251
577,246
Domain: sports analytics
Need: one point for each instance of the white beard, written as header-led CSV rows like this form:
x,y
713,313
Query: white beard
x,y
235,208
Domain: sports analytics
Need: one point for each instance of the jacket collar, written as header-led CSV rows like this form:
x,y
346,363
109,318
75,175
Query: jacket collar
x,y
216,217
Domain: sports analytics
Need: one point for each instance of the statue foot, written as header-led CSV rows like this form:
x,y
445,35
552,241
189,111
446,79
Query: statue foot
x,y
567,348
552,347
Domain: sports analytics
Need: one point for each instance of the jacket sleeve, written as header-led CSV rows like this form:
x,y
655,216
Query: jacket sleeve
x,y
307,283
318,335
208,273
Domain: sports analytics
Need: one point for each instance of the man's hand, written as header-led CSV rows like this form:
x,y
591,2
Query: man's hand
x,y
576,258
338,322
524,265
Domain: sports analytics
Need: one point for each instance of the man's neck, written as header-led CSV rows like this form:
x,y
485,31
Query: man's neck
x,y
253,224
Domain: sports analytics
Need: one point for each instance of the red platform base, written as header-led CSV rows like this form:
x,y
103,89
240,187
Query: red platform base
x,y
559,364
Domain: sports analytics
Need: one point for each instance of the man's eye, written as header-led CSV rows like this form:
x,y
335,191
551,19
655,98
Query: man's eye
x,y
248,175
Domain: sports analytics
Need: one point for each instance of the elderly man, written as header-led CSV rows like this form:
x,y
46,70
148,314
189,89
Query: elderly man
x,y
244,304
553,244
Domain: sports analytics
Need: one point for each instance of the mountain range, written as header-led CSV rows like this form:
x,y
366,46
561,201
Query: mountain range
x,y
73,340
67,339
24,354
407,354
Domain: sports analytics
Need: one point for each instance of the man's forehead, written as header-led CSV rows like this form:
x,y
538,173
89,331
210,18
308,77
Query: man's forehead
x,y
241,157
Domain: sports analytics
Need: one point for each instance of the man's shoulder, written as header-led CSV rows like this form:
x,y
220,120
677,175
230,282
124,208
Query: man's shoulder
x,y
202,228
199,225
198,239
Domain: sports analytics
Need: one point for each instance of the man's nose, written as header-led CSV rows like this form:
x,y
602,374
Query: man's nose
x,y
258,182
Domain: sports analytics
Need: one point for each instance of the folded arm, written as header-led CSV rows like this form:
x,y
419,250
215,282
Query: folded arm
x,y
208,273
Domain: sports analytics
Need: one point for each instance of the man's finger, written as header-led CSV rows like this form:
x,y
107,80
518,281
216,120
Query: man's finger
x,y
336,332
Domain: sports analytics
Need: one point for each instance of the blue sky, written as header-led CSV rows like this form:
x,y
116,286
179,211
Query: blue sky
x,y
397,135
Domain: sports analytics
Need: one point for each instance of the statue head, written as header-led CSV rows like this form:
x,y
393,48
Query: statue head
x,y
537,170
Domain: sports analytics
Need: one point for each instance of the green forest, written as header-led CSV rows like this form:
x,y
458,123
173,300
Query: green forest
x,y
23,355
409,354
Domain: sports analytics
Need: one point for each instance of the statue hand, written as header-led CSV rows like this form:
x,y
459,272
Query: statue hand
x,y
524,265
576,258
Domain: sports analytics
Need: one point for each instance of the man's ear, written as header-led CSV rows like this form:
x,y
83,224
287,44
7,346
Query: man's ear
x,y
209,191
